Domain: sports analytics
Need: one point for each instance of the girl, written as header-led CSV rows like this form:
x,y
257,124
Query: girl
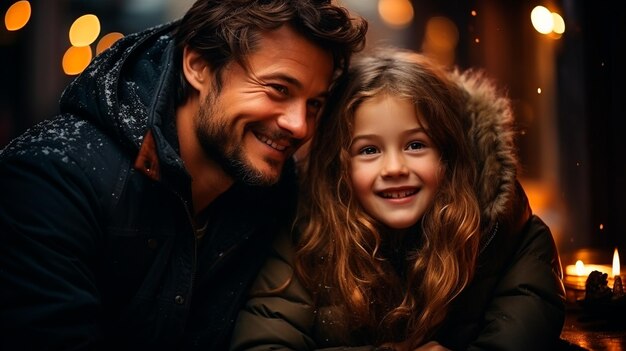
x,y
413,231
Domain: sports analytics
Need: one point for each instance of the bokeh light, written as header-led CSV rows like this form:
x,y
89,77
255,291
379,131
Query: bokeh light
x,y
76,59
17,16
546,22
542,19
84,30
559,23
440,39
106,41
396,13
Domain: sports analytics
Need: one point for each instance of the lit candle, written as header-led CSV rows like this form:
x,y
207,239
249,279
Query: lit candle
x,y
618,289
576,274
616,265
576,278
581,269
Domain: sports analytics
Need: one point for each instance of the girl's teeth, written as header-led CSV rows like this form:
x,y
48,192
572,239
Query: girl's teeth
x,y
398,195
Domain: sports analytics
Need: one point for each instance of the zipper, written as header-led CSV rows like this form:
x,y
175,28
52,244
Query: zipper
x,y
194,261
490,238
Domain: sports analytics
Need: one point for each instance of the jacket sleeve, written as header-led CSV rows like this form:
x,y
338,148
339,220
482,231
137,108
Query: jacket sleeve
x,y
48,230
527,310
277,317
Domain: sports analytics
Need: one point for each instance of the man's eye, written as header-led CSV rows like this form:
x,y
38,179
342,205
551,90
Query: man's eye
x,y
415,145
316,104
368,150
280,88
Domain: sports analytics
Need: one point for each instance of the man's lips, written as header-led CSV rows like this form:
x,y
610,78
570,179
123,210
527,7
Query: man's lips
x,y
276,145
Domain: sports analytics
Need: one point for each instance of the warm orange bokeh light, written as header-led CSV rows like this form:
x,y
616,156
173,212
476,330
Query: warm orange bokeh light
x,y
17,15
396,13
76,59
85,30
106,41
441,37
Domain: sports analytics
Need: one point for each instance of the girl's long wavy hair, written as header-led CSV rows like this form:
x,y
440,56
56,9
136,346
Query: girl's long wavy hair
x,y
339,256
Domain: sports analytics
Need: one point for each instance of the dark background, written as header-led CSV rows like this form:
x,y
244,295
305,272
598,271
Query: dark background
x,y
572,146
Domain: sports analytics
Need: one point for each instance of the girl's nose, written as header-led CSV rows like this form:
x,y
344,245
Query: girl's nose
x,y
395,165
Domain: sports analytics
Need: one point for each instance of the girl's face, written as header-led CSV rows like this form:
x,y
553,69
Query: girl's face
x,y
395,167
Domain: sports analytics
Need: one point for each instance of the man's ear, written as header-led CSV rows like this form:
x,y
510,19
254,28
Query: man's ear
x,y
195,68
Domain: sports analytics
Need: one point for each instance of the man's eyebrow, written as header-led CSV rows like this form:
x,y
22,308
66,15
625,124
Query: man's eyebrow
x,y
292,81
284,77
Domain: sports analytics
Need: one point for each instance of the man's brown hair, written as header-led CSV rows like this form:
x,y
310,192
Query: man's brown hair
x,y
223,31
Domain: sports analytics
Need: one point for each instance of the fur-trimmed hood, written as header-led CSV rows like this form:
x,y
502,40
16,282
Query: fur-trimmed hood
x,y
492,136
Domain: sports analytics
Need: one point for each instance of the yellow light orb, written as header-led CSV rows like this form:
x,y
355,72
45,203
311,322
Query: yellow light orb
x,y
84,30
559,23
17,15
542,20
76,59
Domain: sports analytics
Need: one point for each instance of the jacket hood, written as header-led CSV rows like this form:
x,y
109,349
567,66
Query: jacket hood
x,y
119,92
492,135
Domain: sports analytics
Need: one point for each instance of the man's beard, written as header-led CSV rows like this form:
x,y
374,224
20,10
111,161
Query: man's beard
x,y
213,134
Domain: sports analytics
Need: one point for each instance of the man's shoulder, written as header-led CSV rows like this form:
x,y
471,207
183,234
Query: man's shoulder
x,y
64,142
61,137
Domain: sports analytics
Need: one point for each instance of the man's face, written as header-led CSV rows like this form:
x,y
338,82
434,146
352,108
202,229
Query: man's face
x,y
261,116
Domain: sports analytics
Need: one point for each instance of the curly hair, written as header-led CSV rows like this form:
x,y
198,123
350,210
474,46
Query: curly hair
x,y
226,31
340,252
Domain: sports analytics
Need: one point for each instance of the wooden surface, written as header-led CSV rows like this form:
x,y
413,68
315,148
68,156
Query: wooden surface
x,y
585,329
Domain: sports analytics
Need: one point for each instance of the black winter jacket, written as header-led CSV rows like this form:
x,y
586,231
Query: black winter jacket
x,y
97,243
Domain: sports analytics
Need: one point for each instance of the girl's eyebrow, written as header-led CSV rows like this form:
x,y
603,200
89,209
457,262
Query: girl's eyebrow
x,y
406,132
363,136
415,130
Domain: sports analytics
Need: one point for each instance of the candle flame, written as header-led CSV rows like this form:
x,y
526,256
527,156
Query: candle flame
x,y
580,268
616,265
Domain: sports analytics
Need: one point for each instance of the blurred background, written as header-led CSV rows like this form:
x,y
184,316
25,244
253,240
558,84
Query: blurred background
x,y
561,62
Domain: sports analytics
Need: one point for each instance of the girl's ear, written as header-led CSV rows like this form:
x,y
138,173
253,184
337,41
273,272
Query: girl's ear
x,y
196,69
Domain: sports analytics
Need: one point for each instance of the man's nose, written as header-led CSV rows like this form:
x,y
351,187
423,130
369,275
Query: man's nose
x,y
294,120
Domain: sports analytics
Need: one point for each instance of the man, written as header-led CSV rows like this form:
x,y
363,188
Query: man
x,y
138,217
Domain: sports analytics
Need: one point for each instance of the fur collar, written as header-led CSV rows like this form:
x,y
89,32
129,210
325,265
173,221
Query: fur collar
x,y
492,135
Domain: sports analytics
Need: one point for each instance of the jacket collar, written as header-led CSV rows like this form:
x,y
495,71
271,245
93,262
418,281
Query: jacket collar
x,y
491,130
147,160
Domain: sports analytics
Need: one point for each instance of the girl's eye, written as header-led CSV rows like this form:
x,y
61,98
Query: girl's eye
x,y
415,145
368,150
